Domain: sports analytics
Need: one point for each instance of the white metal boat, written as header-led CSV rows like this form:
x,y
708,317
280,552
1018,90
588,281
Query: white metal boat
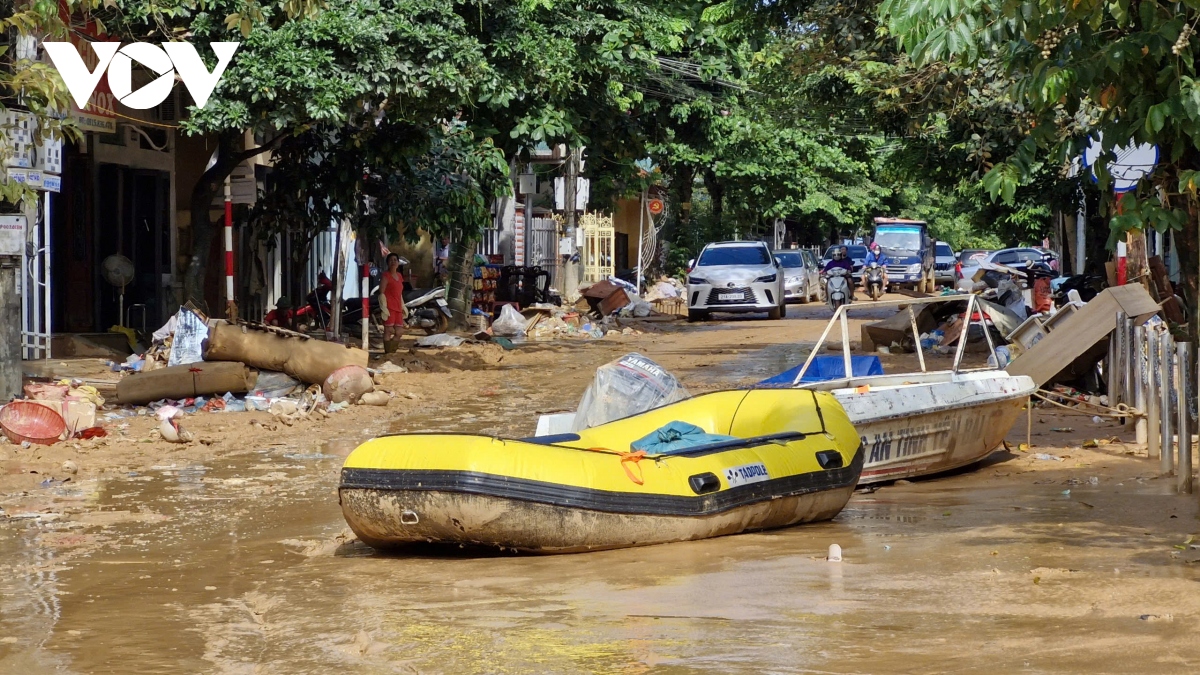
x,y
919,424
911,424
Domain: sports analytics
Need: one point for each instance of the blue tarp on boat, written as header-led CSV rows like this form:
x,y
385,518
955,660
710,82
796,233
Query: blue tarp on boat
x,y
825,368
676,437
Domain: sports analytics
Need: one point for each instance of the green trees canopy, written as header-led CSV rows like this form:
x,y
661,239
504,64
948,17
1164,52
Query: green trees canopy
x,y
1121,68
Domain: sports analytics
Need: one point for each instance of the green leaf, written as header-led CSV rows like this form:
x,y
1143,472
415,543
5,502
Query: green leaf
x,y
1156,117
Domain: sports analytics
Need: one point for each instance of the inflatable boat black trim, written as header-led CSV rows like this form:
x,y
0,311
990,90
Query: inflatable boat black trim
x,y
520,489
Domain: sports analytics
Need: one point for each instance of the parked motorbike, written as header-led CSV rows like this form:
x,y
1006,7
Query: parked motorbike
x,y
316,311
837,287
875,281
1088,286
427,309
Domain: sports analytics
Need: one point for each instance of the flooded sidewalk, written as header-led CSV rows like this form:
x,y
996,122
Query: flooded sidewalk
x,y
242,563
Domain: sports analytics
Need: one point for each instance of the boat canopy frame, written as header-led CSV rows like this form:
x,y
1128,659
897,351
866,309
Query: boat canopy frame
x,y
841,317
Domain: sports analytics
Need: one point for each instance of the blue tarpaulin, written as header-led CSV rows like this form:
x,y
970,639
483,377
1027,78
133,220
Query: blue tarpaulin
x,y
825,368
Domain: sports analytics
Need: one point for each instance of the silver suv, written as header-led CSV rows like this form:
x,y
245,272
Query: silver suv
x,y
735,276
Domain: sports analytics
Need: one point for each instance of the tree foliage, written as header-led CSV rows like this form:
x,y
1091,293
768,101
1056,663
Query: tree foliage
x,y
31,86
1124,70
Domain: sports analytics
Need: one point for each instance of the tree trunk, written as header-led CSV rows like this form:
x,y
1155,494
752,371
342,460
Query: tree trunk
x,y
210,184
461,264
716,192
1137,266
1187,242
685,176
297,288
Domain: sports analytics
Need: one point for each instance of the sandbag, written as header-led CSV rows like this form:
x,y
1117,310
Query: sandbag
x,y
188,381
307,360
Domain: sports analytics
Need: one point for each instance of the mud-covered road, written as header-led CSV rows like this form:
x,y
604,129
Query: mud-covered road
x,y
231,556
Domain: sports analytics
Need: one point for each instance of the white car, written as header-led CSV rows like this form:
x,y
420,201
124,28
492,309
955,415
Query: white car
x,y
735,276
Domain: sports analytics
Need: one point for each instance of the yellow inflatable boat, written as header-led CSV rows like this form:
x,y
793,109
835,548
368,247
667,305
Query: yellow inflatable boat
x,y
716,464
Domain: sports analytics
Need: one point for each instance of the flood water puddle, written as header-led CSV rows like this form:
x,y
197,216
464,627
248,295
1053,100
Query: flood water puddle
x,y
243,565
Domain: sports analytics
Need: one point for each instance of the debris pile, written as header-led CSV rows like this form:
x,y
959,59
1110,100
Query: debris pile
x,y
197,365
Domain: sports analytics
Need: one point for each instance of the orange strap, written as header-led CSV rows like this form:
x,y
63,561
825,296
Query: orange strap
x,y
627,458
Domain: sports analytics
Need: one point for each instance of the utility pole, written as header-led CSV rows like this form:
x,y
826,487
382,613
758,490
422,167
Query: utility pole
x,y
571,275
527,226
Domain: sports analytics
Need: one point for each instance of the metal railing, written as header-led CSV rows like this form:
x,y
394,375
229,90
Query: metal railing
x,y
1151,375
841,316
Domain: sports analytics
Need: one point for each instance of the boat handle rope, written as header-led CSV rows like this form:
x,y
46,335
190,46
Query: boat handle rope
x,y
819,415
627,458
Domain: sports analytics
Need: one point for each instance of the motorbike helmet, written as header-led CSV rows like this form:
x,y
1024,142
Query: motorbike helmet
x,y
839,253
875,247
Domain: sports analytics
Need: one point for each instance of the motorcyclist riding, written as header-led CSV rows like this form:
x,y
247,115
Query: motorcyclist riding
x,y
877,256
842,260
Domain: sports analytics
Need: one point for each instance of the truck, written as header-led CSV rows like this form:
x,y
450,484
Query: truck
x,y
910,251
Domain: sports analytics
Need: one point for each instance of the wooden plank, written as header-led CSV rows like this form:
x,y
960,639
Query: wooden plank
x,y
1087,327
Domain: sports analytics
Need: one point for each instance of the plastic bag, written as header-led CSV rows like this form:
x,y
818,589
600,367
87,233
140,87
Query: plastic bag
x,y
510,322
440,340
272,384
630,385
190,333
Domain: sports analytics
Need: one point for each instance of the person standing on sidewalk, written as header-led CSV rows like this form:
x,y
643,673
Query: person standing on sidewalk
x,y
391,303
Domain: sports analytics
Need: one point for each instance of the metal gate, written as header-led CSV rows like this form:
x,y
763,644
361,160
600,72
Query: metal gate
x,y
543,246
598,245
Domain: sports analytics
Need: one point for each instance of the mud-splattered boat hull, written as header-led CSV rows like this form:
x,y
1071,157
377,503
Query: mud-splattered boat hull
x,y
922,429
764,459
392,518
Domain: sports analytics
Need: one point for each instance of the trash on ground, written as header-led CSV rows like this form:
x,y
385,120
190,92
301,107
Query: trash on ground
x,y
29,422
272,384
347,383
375,398
440,340
187,344
169,427
509,323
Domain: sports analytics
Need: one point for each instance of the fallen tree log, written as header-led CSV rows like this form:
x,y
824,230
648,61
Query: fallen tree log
x,y
306,359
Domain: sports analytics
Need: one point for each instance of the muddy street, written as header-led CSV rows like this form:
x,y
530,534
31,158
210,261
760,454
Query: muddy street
x,y
232,556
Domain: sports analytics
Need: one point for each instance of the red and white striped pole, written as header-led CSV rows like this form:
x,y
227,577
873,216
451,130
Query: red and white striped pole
x,y
230,307
366,301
